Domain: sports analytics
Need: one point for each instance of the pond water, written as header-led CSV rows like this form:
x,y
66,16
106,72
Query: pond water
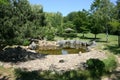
x,y
62,51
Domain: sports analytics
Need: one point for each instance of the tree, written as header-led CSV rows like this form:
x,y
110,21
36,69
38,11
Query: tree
x,y
54,21
3,2
114,26
68,24
95,26
7,29
118,17
115,29
19,20
79,20
84,27
102,9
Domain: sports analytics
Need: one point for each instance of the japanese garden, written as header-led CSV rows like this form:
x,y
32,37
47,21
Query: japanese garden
x,y
40,45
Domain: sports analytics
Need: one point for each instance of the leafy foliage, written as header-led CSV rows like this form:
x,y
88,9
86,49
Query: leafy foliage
x,y
20,20
96,67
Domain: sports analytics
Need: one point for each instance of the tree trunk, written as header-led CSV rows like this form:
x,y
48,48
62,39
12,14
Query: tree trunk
x,y
95,36
83,35
106,34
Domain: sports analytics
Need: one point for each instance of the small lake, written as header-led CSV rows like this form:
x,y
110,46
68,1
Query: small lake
x,y
61,51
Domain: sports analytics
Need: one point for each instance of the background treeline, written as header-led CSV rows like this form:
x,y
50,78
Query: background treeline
x,y
21,21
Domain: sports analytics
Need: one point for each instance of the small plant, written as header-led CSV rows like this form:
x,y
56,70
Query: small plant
x,y
50,37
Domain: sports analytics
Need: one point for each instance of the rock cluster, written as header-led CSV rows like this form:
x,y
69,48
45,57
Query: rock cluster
x,y
18,54
49,45
75,44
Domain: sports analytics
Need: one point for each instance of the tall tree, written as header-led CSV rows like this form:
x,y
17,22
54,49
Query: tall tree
x,y
118,17
103,10
54,21
95,24
7,29
19,20
79,20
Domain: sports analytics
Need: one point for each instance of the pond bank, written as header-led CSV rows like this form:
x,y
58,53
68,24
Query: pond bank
x,y
60,62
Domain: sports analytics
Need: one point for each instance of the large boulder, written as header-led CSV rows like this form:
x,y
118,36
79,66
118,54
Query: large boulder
x,y
72,42
61,43
77,44
33,46
91,44
67,44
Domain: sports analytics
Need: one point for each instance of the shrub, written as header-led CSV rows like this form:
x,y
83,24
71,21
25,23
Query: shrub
x,y
96,67
110,63
50,37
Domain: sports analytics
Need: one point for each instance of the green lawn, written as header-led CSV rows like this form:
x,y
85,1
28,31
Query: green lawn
x,y
90,36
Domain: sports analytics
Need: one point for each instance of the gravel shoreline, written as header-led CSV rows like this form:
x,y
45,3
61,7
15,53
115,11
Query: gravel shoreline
x,y
60,62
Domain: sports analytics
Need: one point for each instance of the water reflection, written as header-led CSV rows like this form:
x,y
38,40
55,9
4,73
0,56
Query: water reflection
x,y
64,52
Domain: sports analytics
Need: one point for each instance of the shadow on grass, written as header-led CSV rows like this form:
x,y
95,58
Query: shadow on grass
x,y
4,78
91,38
113,48
48,75
18,54
116,75
101,41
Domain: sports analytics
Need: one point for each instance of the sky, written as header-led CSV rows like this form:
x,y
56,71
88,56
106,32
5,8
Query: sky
x,y
64,6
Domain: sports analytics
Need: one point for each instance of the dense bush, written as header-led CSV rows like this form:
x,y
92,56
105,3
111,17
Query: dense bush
x,y
96,67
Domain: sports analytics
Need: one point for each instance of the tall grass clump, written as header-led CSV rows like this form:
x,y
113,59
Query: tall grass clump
x,y
110,63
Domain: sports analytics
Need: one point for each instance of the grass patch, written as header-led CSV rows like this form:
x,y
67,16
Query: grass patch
x,y
89,36
110,63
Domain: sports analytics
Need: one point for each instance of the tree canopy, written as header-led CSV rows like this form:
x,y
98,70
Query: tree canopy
x,y
20,21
